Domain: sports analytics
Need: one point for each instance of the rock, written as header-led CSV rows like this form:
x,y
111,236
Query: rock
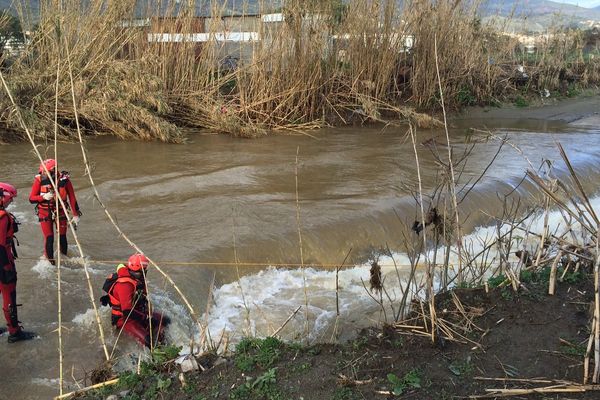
x,y
219,361
187,363
124,393
112,397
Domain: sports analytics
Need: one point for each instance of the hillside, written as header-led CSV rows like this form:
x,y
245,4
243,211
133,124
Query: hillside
x,y
531,12
535,15
535,8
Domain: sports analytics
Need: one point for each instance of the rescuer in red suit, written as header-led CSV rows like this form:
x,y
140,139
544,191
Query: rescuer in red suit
x,y
8,273
128,298
43,196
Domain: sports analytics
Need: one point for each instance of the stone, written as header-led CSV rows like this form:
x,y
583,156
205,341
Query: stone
x,y
187,363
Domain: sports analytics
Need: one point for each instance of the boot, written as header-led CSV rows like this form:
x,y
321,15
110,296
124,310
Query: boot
x,y
49,247
20,335
64,246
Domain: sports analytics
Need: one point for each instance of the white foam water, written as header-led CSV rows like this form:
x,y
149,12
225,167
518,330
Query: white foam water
x,y
49,382
87,319
258,304
44,269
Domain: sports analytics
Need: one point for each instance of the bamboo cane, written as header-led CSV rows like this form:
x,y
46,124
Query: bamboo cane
x,y
596,325
450,163
111,219
57,250
237,270
594,331
553,268
286,321
64,208
494,393
306,310
544,233
430,272
87,389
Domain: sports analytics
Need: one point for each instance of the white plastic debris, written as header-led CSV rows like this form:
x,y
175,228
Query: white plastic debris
x,y
187,362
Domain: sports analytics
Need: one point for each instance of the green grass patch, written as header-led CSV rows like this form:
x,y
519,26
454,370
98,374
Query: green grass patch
x,y
344,393
263,387
461,367
577,350
252,352
521,102
495,281
410,380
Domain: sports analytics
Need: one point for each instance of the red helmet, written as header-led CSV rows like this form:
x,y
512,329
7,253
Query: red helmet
x,y
137,262
7,192
49,163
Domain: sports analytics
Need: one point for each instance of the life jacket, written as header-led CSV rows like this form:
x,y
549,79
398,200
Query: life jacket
x,y
115,303
11,228
46,187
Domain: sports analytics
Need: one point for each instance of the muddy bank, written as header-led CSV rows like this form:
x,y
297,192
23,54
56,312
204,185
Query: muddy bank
x,y
507,339
579,111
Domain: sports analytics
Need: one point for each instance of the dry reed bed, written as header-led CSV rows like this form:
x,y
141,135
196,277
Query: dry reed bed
x,y
513,254
297,78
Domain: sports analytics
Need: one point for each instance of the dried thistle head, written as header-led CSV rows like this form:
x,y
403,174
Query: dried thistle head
x,y
375,280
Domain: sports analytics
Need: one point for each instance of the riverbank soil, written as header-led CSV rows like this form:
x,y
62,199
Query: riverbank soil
x,y
506,339
582,110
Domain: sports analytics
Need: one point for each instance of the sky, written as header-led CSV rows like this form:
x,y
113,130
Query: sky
x,y
582,3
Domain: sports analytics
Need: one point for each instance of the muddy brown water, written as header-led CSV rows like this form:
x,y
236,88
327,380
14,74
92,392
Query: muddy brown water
x,y
190,202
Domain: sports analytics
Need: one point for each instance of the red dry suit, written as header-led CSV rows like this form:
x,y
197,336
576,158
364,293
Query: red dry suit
x,y
127,297
46,210
8,273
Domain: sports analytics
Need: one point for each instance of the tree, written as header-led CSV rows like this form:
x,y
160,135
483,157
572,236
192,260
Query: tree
x,y
10,29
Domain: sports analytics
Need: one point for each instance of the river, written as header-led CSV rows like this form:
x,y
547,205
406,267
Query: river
x,y
190,203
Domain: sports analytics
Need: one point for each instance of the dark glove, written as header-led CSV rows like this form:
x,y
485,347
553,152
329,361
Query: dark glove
x,y
105,300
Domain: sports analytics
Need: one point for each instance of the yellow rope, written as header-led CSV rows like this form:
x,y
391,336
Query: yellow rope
x,y
232,263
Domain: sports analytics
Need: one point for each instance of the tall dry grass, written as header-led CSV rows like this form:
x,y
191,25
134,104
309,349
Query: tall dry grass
x,y
326,64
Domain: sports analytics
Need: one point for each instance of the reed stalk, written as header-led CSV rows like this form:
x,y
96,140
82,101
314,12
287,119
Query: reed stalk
x,y
552,283
237,270
323,65
57,250
337,284
111,219
430,267
596,325
306,310
65,210
450,163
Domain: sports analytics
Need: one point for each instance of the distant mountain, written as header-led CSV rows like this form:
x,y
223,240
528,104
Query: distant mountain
x,y
536,15
161,6
518,15
536,8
